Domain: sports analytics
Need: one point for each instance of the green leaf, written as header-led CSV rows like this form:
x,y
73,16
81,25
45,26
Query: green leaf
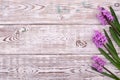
x,y
109,41
113,54
109,75
106,74
117,26
113,13
109,58
111,46
115,36
112,49
116,21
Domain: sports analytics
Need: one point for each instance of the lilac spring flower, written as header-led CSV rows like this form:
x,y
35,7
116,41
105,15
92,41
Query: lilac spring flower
x,y
98,63
99,39
104,16
97,67
98,60
102,19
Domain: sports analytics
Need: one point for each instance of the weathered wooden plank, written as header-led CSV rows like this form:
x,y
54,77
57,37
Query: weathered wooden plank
x,y
48,39
52,11
49,67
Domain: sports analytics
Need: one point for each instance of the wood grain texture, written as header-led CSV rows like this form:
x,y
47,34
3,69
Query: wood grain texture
x,y
49,67
48,39
52,11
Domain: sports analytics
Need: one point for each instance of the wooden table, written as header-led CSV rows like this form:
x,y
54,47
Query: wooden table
x,y
50,39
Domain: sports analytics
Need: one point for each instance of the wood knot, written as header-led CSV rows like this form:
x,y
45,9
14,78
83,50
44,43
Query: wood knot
x,y
81,43
117,4
15,35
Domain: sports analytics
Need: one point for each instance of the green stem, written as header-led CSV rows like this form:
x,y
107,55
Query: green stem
x,y
111,73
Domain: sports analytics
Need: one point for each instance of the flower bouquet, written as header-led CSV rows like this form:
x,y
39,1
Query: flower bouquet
x,y
105,45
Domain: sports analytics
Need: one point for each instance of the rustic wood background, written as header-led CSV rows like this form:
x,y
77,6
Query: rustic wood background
x,y
50,39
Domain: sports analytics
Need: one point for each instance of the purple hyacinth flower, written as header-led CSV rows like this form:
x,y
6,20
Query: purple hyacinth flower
x,y
98,63
99,39
104,16
98,60
102,19
97,67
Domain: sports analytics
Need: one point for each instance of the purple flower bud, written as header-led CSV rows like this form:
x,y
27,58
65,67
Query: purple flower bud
x,y
102,19
99,39
104,16
98,63
97,67
98,60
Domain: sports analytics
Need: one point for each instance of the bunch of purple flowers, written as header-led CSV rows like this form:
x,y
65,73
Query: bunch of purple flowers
x,y
109,18
104,43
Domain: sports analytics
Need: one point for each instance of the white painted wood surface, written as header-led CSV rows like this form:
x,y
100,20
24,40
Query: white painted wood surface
x,y
52,11
50,39
49,67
